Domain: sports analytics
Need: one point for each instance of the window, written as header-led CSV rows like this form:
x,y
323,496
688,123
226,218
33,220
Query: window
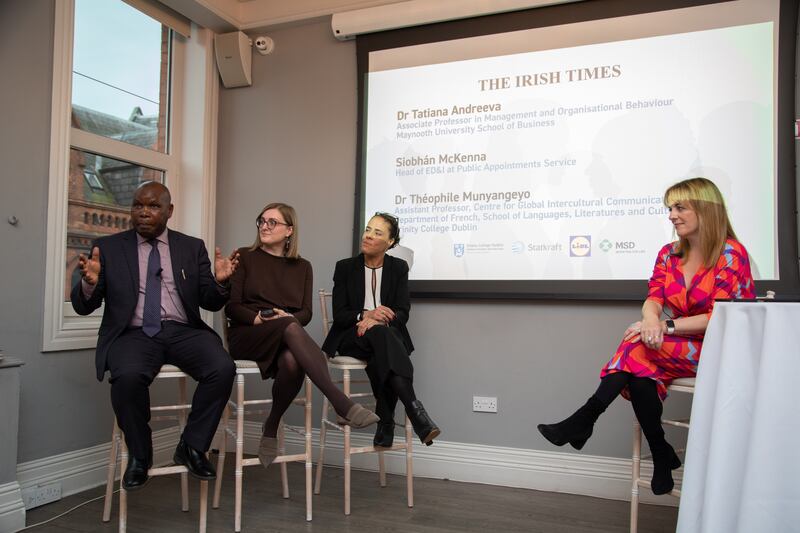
x,y
120,74
120,91
92,180
111,184
120,78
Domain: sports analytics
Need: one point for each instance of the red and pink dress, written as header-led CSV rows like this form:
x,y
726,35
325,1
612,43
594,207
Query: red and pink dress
x,y
730,277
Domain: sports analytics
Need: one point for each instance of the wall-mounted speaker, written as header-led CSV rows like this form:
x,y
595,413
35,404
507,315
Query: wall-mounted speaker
x,y
234,59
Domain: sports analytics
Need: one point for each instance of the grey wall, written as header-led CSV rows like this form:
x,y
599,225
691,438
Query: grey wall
x,y
292,137
63,407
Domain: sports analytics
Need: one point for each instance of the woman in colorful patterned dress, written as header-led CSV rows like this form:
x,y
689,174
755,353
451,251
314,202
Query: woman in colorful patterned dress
x,y
705,263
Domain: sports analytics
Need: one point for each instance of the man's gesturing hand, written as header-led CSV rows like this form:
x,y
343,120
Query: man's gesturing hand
x,y
90,266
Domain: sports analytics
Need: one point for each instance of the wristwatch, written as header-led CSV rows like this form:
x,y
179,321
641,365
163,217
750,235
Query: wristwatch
x,y
360,316
670,326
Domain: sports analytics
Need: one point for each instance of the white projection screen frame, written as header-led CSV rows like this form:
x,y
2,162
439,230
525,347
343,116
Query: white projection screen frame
x,y
526,153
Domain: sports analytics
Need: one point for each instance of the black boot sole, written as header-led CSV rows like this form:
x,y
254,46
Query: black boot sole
x,y
548,433
427,440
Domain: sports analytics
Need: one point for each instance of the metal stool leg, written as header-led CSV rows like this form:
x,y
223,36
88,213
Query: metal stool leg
x,y
308,450
409,464
182,421
238,472
123,494
347,430
223,448
203,506
636,474
282,451
323,434
112,472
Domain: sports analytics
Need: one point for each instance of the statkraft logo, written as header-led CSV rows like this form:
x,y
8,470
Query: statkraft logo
x,y
580,246
517,247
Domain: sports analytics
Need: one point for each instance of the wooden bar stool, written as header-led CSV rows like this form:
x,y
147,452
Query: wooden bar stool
x,y
238,408
118,448
678,385
345,365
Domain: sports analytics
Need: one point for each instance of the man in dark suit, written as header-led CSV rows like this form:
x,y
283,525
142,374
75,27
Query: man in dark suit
x,y
154,281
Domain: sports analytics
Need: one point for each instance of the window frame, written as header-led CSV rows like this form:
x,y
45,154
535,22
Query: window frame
x,y
63,328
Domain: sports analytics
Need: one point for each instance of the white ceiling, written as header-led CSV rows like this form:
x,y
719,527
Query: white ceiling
x,y
255,14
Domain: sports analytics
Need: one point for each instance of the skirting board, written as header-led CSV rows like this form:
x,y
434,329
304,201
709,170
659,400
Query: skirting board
x,y
587,475
601,477
87,468
12,510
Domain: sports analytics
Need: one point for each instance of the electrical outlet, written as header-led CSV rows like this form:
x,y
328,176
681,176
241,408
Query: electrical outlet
x,y
484,404
41,494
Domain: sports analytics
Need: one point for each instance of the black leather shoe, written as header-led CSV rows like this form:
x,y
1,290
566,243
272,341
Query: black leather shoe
x,y
424,427
384,435
196,462
135,476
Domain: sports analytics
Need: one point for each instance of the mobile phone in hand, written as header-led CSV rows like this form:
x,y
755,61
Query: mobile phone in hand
x,y
266,313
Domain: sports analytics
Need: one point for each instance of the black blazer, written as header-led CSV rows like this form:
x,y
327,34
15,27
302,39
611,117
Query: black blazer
x,y
118,285
348,298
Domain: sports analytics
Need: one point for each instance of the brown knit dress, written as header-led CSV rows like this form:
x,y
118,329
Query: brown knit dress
x,y
265,281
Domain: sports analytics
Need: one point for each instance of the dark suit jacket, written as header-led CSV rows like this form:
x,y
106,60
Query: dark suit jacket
x,y
348,298
118,285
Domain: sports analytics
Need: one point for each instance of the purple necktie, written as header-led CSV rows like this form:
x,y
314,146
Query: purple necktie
x,y
151,316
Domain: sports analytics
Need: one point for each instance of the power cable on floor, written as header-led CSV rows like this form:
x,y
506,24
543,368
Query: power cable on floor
x,y
66,512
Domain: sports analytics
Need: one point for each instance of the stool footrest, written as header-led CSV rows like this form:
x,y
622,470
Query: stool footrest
x,y
167,470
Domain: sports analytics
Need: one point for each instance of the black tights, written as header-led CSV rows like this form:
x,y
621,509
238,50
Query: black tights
x,y
644,398
288,381
302,357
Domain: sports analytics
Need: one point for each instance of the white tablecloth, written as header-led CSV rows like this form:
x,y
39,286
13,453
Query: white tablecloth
x,y
742,469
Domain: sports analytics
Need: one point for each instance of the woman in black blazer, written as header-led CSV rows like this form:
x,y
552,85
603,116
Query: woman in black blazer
x,y
370,311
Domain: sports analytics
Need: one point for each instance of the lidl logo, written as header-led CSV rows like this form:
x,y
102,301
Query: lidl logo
x,y
580,246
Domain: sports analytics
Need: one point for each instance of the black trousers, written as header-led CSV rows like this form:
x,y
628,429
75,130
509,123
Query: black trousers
x,y
383,349
134,359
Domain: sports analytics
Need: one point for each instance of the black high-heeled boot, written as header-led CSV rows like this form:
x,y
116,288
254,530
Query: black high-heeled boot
x,y
424,427
577,428
385,402
665,460
384,434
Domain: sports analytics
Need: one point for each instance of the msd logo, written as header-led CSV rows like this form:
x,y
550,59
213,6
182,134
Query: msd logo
x,y
580,246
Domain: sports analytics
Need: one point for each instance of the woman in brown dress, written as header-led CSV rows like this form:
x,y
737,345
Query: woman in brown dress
x,y
269,305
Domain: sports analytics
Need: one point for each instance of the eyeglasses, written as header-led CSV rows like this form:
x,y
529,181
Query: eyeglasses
x,y
270,223
392,218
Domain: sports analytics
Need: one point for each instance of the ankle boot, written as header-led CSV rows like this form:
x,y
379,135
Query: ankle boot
x,y
665,460
384,434
577,428
424,427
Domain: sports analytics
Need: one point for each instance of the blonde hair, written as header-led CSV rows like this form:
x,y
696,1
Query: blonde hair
x,y
290,216
702,196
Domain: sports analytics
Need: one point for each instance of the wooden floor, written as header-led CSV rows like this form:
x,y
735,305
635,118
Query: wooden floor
x,y
440,506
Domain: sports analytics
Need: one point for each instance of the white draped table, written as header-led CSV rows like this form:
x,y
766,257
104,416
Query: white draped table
x,y
742,470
